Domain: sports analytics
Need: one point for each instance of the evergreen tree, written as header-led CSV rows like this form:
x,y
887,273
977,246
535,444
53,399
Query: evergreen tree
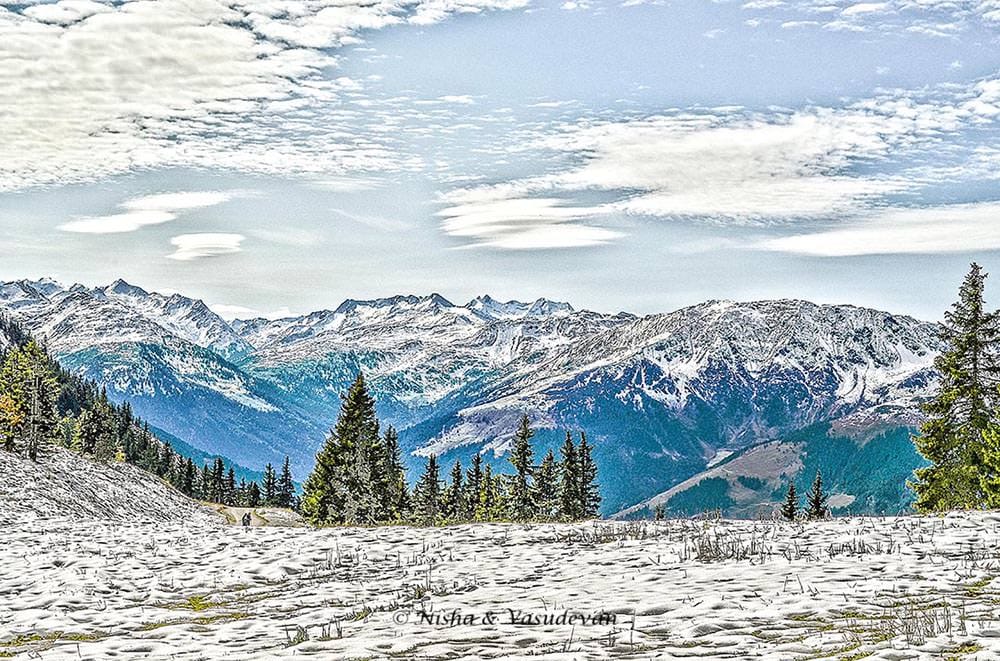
x,y
165,463
522,502
791,505
285,496
94,431
427,494
590,497
229,495
473,488
217,490
486,504
335,490
453,499
547,488
270,486
253,495
962,474
569,481
205,483
816,499
397,501
190,478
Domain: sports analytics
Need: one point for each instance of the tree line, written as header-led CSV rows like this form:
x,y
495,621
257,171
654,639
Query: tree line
x,y
359,478
42,404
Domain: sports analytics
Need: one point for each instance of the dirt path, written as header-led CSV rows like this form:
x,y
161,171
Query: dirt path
x,y
234,515
272,517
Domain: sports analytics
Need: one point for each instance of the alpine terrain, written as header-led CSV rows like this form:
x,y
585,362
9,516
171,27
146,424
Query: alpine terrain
x,y
715,405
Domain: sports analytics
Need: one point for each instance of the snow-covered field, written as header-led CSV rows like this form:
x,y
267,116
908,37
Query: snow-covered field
x,y
896,588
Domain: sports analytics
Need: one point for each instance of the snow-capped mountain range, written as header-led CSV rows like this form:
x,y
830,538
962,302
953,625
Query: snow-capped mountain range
x,y
661,396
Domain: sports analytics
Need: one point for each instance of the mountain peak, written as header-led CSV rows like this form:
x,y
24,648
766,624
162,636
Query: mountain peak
x,y
489,308
432,300
122,288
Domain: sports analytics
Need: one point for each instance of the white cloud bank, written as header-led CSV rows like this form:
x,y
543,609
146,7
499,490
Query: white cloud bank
x,y
147,210
940,229
199,246
724,166
92,89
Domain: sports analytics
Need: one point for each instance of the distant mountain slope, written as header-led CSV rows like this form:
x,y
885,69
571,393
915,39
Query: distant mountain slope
x,y
660,396
862,475
66,484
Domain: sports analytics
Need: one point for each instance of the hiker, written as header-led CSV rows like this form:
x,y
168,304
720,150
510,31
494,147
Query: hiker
x,y
247,519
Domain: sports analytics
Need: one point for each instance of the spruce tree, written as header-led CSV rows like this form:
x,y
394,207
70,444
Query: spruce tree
x,y
427,494
473,488
190,478
590,497
816,499
522,502
963,473
454,495
569,481
95,432
205,483
338,489
397,497
486,503
229,496
269,492
791,505
253,495
547,488
285,496
218,484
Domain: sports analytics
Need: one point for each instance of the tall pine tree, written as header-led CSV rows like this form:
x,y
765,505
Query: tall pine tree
x,y
791,505
269,487
547,488
339,488
816,499
569,481
952,438
590,497
427,494
285,494
473,488
522,501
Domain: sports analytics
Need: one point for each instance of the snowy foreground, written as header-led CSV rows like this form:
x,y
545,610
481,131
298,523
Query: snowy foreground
x,y
897,588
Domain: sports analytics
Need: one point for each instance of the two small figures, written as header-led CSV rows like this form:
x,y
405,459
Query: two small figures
x,y
247,520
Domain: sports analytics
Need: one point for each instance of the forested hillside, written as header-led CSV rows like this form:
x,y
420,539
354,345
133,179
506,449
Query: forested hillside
x,y
46,410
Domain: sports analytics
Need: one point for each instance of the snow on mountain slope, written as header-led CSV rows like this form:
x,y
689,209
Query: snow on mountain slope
x,y
66,485
186,318
660,395
77,316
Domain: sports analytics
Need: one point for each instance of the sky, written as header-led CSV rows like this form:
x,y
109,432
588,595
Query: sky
x,y
274,157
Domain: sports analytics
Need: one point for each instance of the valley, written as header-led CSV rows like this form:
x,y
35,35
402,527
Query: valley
x,y
660,396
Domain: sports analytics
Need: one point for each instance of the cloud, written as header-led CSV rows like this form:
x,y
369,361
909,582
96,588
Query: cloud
x,y
486,218
938,18
198,246
731,166
928,230
91,89
147,210
865,8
